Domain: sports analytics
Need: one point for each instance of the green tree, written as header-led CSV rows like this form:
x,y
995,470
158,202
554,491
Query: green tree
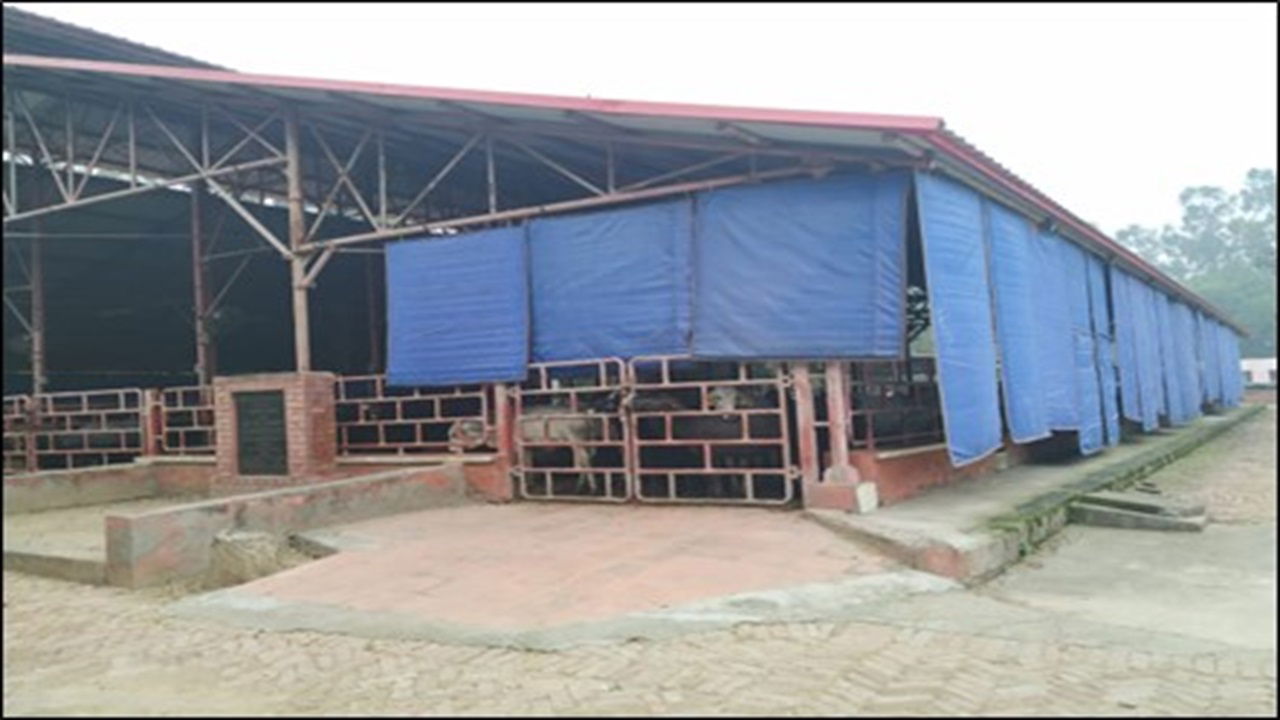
x,y
1225,251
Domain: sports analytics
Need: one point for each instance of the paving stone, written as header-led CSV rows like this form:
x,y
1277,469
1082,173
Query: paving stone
x,y
71,649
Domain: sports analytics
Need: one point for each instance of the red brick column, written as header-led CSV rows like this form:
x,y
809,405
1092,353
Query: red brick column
x,y
310,429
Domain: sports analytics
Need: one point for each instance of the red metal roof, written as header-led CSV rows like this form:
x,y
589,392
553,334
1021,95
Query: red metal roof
x,y
927,130
28,32
905,123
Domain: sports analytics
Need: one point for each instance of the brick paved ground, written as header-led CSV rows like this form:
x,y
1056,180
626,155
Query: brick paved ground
x,y
69,649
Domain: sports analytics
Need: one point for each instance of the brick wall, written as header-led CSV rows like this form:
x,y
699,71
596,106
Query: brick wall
x,y
310,429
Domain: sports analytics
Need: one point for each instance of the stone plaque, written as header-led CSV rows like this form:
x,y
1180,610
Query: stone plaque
x,y
260,433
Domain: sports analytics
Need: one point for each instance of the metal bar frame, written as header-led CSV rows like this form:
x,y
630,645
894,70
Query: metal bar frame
x,y
73,417
365,405
710,476
186,420
439,177
568,412
566,172
563,206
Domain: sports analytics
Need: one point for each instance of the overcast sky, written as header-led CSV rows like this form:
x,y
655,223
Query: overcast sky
x,y
1110,109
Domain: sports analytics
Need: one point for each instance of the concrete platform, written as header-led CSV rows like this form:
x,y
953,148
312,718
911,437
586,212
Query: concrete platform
x,y
549,576
974,529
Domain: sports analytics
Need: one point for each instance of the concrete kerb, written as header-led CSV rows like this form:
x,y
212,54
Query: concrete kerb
x,y
90,571
975,557
174,543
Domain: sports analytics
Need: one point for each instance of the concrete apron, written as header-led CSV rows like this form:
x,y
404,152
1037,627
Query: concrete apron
x,y
547,576
813,602
973,530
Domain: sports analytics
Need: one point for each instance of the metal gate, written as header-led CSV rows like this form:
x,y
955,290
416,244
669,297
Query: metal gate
x,y
655,429
710,432
570,432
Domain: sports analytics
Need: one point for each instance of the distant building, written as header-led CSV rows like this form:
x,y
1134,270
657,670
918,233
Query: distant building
x,y
1259,371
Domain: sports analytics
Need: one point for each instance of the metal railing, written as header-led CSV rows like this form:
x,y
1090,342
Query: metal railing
x,y
374,418
570,433
186,420
710,431
894,404
18,447
83,429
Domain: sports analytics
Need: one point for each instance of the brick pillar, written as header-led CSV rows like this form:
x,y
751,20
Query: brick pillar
x,y
310,429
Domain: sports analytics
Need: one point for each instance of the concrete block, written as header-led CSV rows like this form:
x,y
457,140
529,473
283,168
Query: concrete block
x,y
1145,503
1107,516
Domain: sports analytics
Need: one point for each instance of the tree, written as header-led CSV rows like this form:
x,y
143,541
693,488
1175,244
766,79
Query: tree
x,y
1225,251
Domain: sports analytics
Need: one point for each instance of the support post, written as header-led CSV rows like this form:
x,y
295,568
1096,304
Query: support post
x,y
838,414
297,236
840,487
38,378
805,423
200,292
375,347
499,485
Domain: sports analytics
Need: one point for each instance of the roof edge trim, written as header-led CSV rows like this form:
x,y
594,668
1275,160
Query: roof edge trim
x,y
1046,204
904,123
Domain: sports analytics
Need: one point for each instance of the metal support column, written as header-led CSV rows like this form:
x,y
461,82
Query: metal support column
x,y
204,368
297,236
838,414
806,430
38,378
375,344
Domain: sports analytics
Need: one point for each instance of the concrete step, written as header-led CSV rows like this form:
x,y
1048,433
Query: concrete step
x,y
1144,502
1083,513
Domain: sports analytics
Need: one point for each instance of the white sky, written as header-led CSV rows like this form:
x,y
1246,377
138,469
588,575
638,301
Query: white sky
x,y
1110,109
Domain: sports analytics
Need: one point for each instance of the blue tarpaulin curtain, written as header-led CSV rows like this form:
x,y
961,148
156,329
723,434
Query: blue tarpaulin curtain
x,y
1074,267
457,309
1104,348
1204,359
611,284
1169,361
1149,355
960,308
801,269
1213,359
1229,366
1013,258
1054,337
1126,345
1185,346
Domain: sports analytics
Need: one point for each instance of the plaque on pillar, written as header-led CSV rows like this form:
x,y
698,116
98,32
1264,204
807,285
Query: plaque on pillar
x,y
279,430
260,432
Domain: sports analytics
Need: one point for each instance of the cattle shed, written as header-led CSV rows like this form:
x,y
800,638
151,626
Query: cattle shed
x,y
601,299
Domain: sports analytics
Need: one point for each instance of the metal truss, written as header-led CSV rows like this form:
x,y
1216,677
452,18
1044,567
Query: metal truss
x,y
386,174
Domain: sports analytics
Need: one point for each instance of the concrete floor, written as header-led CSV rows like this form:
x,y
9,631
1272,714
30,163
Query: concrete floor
x,y
76,532
551,575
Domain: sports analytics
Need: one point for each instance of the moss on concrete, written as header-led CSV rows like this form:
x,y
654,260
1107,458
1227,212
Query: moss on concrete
x,y
1034,521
